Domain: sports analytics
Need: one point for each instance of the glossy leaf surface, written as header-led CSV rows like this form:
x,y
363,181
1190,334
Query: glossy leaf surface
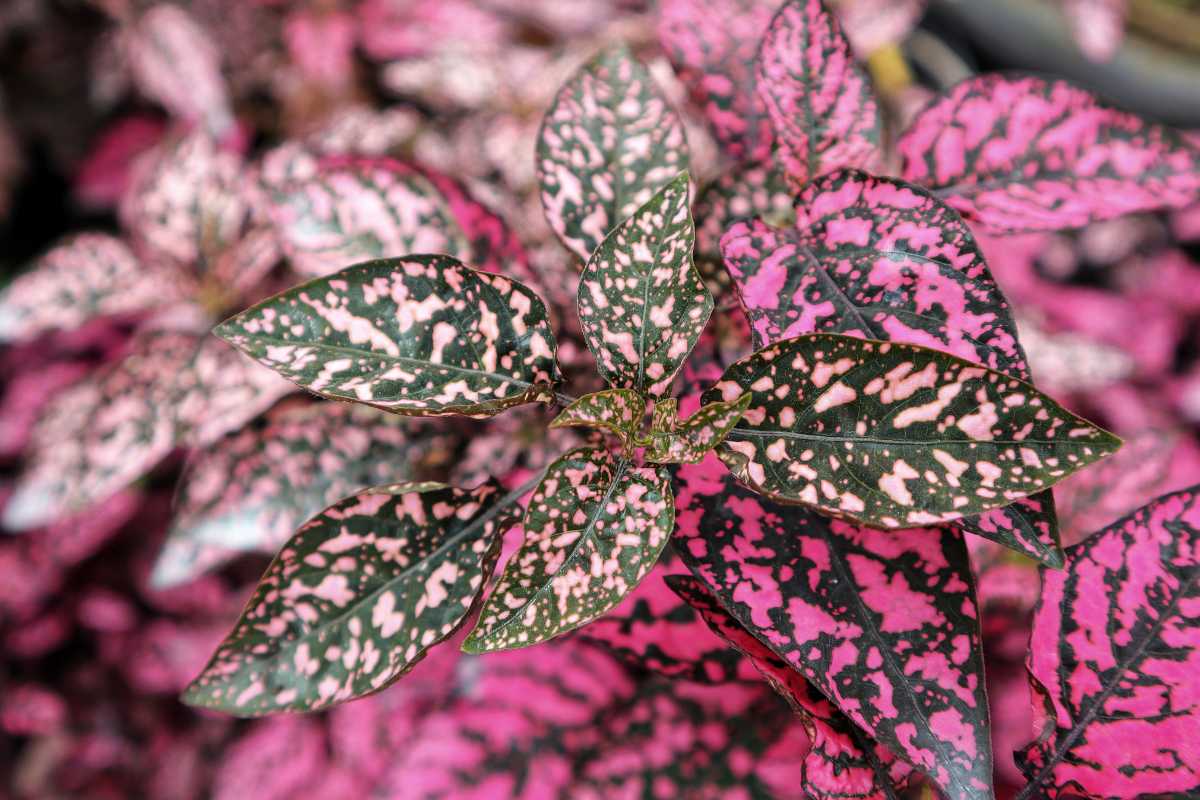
x,y
618,411
686,441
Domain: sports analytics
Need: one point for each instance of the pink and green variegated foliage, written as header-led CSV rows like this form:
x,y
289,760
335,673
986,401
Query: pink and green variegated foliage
x,y
1113,661
1021,153
895,435
819,98
686,441
249,492
746,192
618,411
421,335
841,762
881,259
595,525
607,144
883,624
642,304
357,597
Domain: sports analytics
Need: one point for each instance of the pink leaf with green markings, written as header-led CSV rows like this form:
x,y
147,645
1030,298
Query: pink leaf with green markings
x,y
895,435
842,763
743,193
419,335
885,625
1020,153
1113,661
595,526
607,144
686,441
819,97
642,304
357,597
618,411
881,259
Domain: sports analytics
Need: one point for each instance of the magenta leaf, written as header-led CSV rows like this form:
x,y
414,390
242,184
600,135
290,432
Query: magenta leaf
x,y
607,144
883,624
618,411
642,304
1020,153
420,335
357,597
841,763
595,526
819,98
1113,659
686,441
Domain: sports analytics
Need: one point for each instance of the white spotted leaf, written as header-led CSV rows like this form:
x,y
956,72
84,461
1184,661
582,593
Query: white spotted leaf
x,y
357,597
419,335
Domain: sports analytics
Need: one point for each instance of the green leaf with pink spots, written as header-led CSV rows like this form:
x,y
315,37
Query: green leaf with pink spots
x,y
642,304
421,335
594,527
895,435
686,441
618,411
357,598
607,143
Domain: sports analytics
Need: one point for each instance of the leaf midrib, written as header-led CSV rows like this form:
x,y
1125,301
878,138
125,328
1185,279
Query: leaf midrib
x,y
749,433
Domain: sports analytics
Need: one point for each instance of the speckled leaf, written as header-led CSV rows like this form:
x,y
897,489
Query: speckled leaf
x,y
642,304
356,598
594,527
896,435
607,144
714,47
686,441
664,416
841,763
884,625
353,209
743,193
249,492
618,411
419,335
878,258
1019,153
1113,658
819,98
86,276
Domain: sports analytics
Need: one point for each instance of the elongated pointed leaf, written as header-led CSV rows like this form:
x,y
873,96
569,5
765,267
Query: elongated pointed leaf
x,y
419,335
686,441
878,258
896,435
356,598
618,411
642,304
607,144
841,763
819,98
86,276
884,625
1114,657
594,527
1020,153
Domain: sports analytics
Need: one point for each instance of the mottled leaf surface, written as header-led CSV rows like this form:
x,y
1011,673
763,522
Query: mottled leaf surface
x,y
618,411
419,335
356,597
884,625
841,763
686,441
1114,656
594,527
642,304
607,143
896,435
819,98
1020,153
742,193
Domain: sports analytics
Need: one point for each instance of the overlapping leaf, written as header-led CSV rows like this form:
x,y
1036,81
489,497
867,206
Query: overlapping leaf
x,y
746,192
356,598
249,492
686,441
884,625
618,411
594,527
419,335
1020,153
878,258
840,763
642,304
1114,657
819,98
896,435
607,143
